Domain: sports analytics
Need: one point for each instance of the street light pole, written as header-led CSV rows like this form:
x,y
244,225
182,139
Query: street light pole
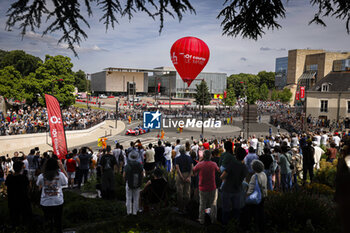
x,y
133,91
169,94
117,113
203,110
87,92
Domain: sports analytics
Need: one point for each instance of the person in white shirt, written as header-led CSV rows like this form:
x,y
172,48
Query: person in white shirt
x,y
254,142
336,140
317,155
318,139
324,138
177,148
50,182
195,147
167,155
294,140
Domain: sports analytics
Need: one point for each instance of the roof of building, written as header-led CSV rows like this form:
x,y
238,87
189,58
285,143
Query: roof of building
x,y
121,69
337,81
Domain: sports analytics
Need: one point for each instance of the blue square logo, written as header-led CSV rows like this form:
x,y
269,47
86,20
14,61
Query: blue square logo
x,y
152,120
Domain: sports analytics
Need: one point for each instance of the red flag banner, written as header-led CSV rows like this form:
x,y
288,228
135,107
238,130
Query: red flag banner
x,y
58,136
158,87
302,92
225,94
297,95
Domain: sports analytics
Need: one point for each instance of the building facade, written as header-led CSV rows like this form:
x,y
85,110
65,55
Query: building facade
x,y
116,81
281,70
329,98
306,67
169,79
120,81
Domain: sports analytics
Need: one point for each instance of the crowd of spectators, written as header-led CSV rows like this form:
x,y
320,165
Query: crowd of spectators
x,y
295,121
233,168
35,120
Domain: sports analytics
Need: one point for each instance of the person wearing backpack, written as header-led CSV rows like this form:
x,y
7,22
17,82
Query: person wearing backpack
x,y
107,162
133,174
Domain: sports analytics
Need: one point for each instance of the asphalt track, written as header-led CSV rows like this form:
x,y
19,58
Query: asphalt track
x,y
171,134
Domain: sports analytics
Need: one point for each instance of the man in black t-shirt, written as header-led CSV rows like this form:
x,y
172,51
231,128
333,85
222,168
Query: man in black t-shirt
x,y
108,162
184,169
231,188
159,155
18,200
267,160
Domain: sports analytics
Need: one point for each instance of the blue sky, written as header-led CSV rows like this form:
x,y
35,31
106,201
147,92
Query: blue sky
x,y
138,44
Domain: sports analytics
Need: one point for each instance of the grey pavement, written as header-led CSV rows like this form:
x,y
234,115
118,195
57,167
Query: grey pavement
x,y
171,134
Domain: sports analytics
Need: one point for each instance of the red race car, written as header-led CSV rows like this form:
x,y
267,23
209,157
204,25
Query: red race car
x,y
136,131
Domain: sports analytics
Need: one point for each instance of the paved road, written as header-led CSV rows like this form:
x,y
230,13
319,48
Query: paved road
x,y
171,134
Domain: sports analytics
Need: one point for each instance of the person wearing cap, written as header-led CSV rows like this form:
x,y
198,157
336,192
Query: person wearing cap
x,y
336,139
257,210
133,174
184,169
208,194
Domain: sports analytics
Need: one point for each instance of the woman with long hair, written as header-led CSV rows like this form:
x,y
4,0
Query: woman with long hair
x,y
50,182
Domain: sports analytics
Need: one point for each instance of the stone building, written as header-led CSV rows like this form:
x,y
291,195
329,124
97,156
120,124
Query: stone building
x,y
120,81
306,67
129,81
329,98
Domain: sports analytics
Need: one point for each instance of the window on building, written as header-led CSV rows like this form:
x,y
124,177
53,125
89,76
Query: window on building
x,y
313,67
324,106
348,106
325,87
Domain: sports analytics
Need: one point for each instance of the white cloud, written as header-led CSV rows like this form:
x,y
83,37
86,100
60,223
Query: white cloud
x,y
51,43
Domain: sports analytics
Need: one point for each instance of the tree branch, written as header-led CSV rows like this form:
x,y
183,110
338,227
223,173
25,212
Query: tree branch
x,y
250,18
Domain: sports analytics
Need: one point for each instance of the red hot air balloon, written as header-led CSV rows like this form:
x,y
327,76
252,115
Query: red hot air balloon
x,y
189,56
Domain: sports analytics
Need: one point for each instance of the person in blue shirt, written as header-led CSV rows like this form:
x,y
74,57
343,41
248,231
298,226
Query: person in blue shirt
x,y
248,161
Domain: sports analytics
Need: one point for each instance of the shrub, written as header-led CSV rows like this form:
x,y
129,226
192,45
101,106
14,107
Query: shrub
x,y
300,212
319,189
327,173
90,185
78,209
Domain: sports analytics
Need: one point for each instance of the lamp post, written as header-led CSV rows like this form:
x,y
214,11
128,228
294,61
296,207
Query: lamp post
x,y
117,113
133,91
169,91
87,91
203,110
202,106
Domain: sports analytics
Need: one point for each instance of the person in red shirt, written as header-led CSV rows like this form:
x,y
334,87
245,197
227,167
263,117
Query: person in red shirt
x,y
71,165
208,194
206,144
